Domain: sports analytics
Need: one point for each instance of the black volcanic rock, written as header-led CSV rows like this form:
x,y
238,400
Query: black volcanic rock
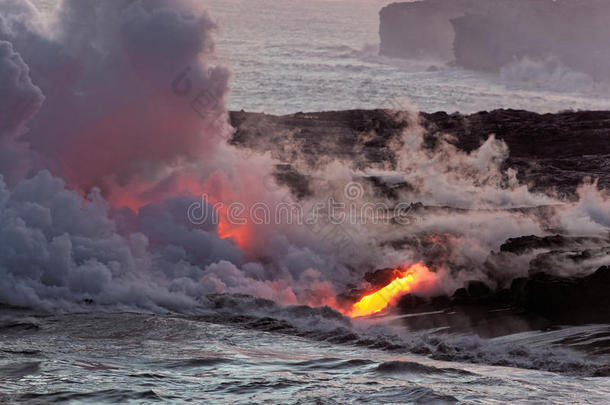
x,y
298,183
410,302
548,294
549,150
565,298
556,254
478,289
362,137
474,292
537,302
381,278
460,296
527,243
560,297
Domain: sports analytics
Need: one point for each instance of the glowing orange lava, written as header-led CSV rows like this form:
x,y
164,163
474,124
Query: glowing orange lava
x,y
405,282
240,234
215,190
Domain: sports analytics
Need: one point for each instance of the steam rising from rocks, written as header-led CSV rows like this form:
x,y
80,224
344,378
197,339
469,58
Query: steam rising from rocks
x,y
102,153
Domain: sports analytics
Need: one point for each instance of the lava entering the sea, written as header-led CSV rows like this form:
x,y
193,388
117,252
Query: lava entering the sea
x,y
407,280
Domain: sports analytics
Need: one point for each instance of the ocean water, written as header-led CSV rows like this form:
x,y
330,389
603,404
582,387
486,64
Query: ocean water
x,y
300,357
320,55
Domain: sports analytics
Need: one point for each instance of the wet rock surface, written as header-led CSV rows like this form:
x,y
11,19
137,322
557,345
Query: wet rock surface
x,y
553,152
539,302
548,150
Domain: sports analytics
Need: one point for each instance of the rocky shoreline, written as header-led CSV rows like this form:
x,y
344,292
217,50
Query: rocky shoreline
x,y
552,153
548,150
537,302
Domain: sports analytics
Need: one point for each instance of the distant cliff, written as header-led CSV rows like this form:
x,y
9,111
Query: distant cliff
x,y
420,29
489,34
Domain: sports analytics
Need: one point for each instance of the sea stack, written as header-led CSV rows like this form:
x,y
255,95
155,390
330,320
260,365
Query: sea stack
x,y
487,35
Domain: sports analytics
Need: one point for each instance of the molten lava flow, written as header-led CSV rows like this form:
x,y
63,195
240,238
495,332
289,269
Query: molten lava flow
x,y
405,281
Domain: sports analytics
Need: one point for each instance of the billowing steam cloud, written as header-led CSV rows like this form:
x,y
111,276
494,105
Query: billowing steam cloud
x,y
113,124
111,118
20,99
471,204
